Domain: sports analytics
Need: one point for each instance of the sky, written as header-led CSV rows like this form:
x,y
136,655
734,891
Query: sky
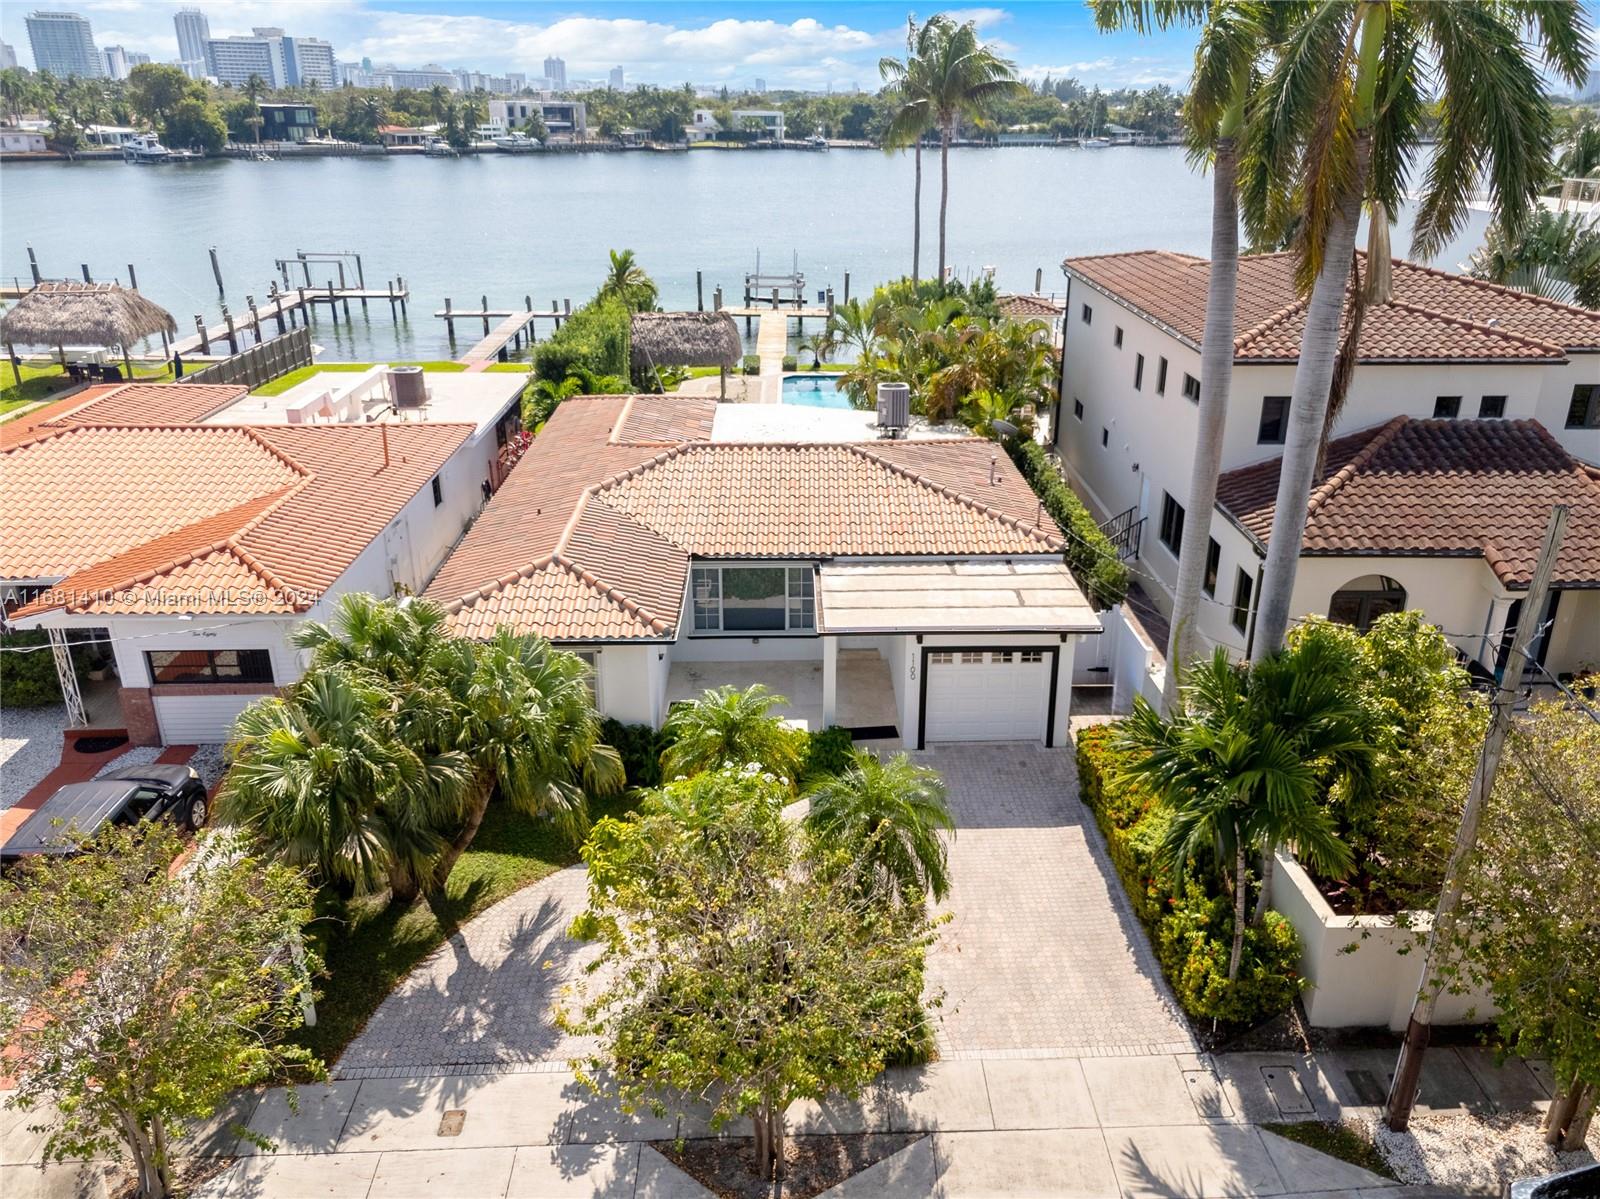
x,y
812,46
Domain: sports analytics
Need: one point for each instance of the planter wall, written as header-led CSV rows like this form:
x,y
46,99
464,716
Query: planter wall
x,y
1374,983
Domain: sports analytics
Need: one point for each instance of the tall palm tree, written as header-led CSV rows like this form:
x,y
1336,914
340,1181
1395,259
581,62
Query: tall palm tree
x,y
1342,113
888,816
726,726
439,102
913,117
1241,765
1233,36
628,282
962,77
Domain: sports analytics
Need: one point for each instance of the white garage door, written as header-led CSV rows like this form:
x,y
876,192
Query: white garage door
x,y
198,719
987,695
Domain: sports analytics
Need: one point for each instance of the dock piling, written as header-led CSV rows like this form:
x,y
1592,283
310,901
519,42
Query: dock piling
x,y
483,307
233,335
216,271
449,321
276,297
333,303
699,294
255,317
1038,280
87,278
133,279
716,299
400,286
200,327
33,265
847,287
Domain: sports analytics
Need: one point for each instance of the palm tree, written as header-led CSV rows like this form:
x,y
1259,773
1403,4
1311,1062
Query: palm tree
x,y
1232,37
1342,112
888,817
1243,764
1556,255
628,282
856,326
726,726
439,102
962,76
913,117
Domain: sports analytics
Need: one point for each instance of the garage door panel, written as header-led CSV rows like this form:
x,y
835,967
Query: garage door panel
x,y
987,695
199,719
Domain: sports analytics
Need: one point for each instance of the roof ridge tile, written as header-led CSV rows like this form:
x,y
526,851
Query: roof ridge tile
x,y
1381,436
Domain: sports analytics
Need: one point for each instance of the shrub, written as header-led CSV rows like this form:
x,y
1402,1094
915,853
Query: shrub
x,y
594,338
640,748
1192,944
790,363
29,680
1090,554
827,752
751,364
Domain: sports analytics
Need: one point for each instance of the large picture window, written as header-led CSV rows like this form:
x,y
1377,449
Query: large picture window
x,y
218,667
753,599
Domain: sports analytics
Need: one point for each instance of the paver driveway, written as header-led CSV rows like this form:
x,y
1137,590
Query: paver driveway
x,y
1042,954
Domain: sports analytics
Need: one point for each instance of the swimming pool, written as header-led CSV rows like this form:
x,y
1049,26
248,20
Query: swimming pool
x,y
814,391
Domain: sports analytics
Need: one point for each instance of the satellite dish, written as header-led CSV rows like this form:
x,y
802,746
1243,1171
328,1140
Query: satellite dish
x,y
1004,428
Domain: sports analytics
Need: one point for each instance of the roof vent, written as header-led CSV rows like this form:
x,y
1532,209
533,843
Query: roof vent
x,y
406,387
894,406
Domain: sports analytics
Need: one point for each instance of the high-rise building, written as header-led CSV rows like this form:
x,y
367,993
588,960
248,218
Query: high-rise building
x,y
1591,88
555,70
234,59
760,85
116,60
137,58
63,44
8,56
614,80
309,60
194,32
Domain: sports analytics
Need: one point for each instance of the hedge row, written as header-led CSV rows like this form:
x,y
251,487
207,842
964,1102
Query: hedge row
x,y
1090,554
595,337
1191,928
28,680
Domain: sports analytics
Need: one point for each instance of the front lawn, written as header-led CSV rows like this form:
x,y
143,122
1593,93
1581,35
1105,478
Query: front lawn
x,y
300,375
368,947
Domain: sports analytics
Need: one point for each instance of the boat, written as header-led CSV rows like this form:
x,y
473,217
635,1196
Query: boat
x,y
515,143
439,148
145,148
817,142
1094,143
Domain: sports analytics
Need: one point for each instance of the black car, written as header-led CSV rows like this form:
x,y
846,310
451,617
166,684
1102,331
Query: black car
x,y
123,796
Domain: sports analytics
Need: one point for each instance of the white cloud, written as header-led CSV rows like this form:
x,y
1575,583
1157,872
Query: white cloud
x,y
1112,72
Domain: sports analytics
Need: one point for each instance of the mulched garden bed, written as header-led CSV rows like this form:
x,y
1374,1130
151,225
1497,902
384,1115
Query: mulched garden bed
x,y
726,1167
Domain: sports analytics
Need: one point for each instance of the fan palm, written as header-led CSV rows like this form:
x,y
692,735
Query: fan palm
x,y
1342,113
1244,762
726,726
913,115
888,816
1556,255
627,281
961,77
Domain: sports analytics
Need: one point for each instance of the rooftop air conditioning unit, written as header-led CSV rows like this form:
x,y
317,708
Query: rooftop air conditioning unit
x,y
406,387
894,406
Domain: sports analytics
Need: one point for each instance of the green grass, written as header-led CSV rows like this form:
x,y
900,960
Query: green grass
x,y
42,382
368,947
1336,1140
296,377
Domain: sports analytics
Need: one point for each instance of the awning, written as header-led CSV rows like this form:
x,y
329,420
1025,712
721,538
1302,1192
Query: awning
x,y
967,597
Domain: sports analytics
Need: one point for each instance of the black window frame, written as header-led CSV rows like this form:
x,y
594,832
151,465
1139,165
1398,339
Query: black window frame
x,y
1161,377
1446,407
1116,338
1138,372
1491,407
1172,516
1077,407
1243,585
1191,388
1086,315
1583,410
438,492
1208,583
254,666
1105,438
1282,404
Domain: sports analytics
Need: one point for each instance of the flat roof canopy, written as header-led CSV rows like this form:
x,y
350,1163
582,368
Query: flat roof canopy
x,y
950,597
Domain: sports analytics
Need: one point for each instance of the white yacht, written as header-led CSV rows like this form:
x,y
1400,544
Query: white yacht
x,y
144,149
439,148
516,143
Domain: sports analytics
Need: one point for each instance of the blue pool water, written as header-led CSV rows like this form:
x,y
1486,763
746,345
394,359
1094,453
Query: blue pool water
x,y
814,391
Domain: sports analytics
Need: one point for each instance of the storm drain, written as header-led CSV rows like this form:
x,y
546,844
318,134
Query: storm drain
x,y
450,1123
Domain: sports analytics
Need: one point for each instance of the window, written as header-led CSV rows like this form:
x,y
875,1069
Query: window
x,y
971,659
1584,411
752,599
1171,522
209,666
1363,600
941,657
1240,616
1117,337
1105,437
1491,407
1446,407
1031,657
591,659
1213,562
1161,377
1274,420
1087,314
438,492
1077,408
1001,659
1191,389
1138,372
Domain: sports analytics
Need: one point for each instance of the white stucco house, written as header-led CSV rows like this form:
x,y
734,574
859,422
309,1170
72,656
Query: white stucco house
x,y
190,527
908,589
1501,394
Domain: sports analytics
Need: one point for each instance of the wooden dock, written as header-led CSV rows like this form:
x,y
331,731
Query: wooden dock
x,y
507,335
284,309
819,311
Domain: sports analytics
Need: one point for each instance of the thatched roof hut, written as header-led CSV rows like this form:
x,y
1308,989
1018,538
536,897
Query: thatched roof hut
x,y
684,339
96,314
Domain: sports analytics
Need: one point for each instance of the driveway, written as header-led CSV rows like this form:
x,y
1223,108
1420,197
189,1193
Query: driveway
x,y
1042,955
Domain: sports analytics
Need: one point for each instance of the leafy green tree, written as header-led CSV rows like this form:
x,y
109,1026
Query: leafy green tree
x,y
628,282
155,90
136,999
887,817
195,124
739,961
18,93
726,726
1342,114
1245,761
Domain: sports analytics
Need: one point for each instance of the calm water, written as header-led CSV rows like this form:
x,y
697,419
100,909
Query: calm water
x,y
507,226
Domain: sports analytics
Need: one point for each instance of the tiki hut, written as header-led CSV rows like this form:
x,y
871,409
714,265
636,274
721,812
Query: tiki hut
x,y
96,314
685,339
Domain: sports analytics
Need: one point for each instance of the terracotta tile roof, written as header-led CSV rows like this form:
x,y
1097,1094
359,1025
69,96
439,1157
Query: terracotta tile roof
x,y
592,535
1439,488
208,519
1027,307
123,404
1435,316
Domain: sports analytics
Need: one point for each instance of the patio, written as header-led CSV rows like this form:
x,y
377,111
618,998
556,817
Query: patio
x,y
865,691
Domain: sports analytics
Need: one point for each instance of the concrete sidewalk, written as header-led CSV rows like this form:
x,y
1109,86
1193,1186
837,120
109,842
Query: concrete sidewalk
x,y
1167,1124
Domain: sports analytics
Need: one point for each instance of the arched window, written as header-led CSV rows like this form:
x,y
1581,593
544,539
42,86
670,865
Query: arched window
x,y
1361,601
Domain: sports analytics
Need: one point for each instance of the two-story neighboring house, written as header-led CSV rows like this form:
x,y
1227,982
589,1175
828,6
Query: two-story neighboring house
x,y
1446,348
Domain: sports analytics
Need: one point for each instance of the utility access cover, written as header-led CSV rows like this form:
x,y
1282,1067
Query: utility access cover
x,y
450,1123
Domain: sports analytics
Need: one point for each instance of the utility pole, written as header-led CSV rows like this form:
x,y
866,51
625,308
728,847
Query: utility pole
x,y
1408,1069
